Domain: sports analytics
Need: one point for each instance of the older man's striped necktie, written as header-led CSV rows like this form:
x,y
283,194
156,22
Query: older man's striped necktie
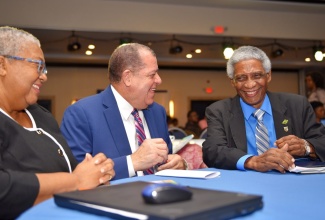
x,y
261,133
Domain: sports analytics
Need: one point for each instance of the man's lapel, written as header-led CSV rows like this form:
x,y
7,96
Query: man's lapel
x,y
115,123
281,120
237,124
148,114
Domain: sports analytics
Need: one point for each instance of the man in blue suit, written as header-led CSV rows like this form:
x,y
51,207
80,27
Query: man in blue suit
x,y
104,123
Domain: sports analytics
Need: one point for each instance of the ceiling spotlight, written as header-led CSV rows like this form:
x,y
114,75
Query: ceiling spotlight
x,y
277,53
74,44
176,50
319,56
318,52
125,40
228,51
307,59
88,52
91,46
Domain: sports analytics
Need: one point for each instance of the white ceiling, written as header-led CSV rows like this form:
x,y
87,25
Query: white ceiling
x,y
294,27
308,6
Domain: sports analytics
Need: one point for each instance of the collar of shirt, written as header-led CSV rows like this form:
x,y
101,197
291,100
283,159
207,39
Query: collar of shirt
x,y
248,109
124,107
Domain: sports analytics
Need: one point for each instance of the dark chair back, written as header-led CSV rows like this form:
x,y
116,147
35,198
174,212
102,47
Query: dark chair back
x,y
203,135
177,132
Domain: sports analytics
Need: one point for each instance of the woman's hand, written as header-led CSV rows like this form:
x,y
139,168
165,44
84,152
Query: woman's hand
x,y
93,171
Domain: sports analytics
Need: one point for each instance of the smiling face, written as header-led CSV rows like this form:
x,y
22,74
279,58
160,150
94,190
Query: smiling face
x,y
252,83
21,82
143,83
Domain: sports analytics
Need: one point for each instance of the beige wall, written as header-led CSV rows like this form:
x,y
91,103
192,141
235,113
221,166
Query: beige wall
x,y
67,83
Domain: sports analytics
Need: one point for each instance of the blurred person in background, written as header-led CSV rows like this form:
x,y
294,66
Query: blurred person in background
x,y
315,87
192,124
319,110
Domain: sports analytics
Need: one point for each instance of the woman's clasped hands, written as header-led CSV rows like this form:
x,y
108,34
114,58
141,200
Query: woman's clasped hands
x,y
93,171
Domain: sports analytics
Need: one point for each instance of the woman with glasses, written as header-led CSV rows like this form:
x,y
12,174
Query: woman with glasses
x,y
35,160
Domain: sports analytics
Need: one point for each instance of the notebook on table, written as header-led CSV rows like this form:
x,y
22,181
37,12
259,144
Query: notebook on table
x,y
179,144
124,201
305,166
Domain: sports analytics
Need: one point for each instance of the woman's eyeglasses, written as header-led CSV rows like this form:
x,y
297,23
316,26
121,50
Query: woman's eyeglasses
x,y
41,69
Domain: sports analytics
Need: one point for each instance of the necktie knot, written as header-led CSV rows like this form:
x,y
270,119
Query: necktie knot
x,y
134,112
138,127
136,116
258,114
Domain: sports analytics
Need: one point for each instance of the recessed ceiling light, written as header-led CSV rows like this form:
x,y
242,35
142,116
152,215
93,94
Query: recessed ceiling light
x,y
88,52
91,46
189,56
307,59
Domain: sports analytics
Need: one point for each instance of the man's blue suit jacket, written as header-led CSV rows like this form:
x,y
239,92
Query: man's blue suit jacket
x,y
94,124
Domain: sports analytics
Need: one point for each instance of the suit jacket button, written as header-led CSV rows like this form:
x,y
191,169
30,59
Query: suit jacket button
x,y
60,152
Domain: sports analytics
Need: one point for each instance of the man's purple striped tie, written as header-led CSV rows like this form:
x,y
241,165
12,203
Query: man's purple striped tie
x,y
141,136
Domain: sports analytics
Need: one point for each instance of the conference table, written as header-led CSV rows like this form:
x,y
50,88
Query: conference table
x,y
285,196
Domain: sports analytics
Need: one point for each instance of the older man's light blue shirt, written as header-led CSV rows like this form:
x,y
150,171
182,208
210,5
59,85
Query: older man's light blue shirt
x,y
250,125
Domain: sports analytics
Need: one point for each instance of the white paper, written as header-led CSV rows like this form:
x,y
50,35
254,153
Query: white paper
x,y
189,173
179,144
299,169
